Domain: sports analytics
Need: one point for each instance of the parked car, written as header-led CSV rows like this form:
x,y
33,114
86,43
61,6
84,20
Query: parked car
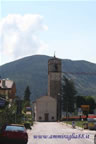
x,y
15,134
92,123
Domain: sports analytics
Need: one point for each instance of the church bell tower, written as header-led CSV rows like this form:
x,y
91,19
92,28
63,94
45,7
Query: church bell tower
x,y
54,82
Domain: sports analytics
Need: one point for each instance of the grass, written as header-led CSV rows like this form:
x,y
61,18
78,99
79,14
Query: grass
x,y
77,123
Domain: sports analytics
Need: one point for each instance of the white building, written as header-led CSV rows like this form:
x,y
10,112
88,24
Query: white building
x,y
45,109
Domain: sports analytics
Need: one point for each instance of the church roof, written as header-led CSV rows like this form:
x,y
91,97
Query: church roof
x,y
41,97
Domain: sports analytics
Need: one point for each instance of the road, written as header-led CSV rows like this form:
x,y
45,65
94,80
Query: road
x,y
59,133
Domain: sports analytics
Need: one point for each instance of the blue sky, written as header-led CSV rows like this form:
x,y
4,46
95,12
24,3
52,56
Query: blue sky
x,y
71,31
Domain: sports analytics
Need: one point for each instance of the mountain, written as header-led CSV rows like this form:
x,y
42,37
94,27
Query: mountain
x,y
33,71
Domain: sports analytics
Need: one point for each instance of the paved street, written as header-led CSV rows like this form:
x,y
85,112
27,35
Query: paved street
x,y
59,133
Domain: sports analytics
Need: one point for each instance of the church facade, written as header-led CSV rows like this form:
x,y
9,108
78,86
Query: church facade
x,y
45,109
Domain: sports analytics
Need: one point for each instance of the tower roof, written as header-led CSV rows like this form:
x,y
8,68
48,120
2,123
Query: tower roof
x,y
54,58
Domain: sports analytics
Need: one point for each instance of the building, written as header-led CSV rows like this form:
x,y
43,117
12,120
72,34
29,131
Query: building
x,y
48,108
7,89
54,77
45,109
54,82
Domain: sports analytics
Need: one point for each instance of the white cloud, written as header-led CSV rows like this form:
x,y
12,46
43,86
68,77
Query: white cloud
x,y
19,36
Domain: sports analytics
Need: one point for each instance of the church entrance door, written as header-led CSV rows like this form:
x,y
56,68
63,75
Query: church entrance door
x,y
46,117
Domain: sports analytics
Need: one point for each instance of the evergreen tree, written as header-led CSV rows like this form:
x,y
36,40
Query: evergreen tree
x,y
68,93
27,94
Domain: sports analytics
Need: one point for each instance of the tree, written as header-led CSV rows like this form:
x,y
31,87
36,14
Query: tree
x,y
27,94
91,102
68,93
7,115
86,100
80,100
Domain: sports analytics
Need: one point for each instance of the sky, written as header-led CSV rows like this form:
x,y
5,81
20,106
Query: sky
x,y
29,27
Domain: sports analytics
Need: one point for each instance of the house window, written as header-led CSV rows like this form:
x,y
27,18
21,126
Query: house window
x,y
52,117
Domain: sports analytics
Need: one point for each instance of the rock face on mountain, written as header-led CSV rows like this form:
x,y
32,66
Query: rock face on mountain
x,y
33,71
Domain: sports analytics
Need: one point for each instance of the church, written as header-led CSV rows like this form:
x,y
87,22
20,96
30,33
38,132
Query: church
x,y
48,108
